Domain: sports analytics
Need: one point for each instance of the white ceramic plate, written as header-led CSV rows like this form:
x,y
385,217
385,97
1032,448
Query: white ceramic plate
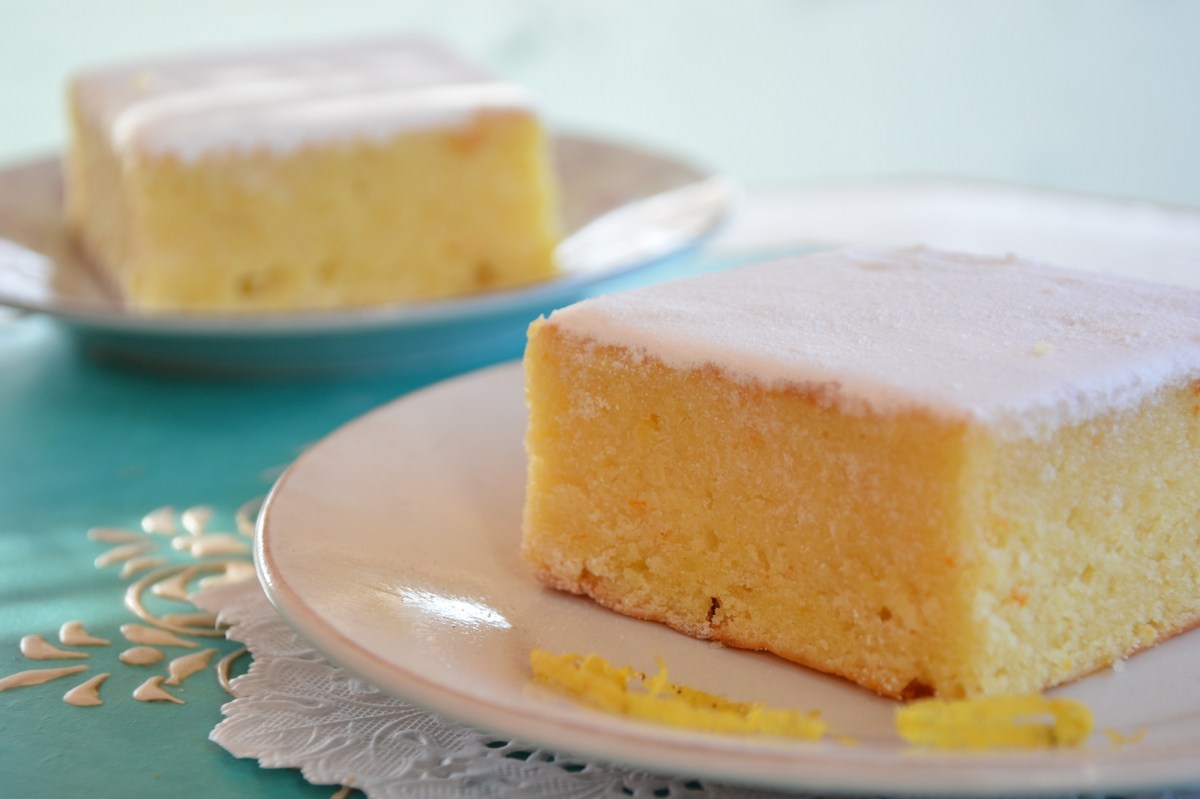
x,y
392,547
624,209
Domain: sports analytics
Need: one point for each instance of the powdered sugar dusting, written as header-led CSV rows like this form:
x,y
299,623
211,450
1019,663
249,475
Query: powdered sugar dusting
x,y
1003,341
284,99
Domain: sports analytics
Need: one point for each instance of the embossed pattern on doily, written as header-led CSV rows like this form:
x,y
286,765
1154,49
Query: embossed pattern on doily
x,y
294,709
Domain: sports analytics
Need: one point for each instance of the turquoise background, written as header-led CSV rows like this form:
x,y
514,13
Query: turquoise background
x,y
1093,96
86,444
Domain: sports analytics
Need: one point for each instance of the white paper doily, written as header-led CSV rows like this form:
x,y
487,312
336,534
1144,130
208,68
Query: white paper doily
x,y
294,709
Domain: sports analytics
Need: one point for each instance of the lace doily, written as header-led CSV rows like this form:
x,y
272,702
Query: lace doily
x,y
294,709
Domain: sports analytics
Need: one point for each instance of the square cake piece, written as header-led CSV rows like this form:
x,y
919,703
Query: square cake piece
x,y
931,473
308,178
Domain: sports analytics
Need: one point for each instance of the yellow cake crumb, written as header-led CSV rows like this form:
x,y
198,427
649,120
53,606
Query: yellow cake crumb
x,y
1119,739
1017,722
626,692
1043,348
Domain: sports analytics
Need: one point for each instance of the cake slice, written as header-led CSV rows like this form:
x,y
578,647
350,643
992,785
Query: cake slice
x,y
931,473
308,178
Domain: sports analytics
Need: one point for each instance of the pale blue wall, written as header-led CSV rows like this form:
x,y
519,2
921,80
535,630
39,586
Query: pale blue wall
x,y
1098,96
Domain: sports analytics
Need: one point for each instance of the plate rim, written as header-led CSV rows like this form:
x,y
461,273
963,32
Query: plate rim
x,y
760,763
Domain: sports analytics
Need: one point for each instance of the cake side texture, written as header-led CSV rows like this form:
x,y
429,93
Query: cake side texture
x,y
862,521
309,178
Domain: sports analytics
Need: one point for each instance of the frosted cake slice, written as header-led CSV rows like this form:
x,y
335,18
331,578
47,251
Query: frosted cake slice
x,y
928,472
314,177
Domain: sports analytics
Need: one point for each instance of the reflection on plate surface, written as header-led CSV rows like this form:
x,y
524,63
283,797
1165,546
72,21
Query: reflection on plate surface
x,y
392,547
624,209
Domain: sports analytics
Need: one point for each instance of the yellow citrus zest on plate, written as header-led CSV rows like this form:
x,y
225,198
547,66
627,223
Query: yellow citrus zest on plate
x,y
1118,738
623,691
1015,722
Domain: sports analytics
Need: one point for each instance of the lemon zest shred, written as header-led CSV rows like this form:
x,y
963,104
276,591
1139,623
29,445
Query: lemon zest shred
x,y
624,691
1029,721
1119,739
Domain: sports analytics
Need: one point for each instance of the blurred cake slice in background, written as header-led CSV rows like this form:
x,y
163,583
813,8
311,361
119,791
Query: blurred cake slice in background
x,y
316,177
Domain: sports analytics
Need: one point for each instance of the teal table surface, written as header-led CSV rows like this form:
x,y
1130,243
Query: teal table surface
x,y
86,444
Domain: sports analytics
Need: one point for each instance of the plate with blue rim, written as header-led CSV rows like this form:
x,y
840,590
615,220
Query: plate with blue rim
x,y
626,210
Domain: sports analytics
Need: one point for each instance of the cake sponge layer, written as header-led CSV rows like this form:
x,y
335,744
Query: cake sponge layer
x,y
289,187
905,546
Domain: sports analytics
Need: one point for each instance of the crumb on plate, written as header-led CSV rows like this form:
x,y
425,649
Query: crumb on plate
x,y
1029,721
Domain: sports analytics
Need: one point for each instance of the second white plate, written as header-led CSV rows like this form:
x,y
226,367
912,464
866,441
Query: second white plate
x,y
392,547
624,209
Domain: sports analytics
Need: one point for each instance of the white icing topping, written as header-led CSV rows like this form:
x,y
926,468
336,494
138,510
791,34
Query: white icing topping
x,y
73,633
113,535
141,656
1010,343
121,553
284,99
23,679
152,691
174,587
160,521
141,634
135,565
35,647
207,544
198,619
234,572
185,666
87,693
195,519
